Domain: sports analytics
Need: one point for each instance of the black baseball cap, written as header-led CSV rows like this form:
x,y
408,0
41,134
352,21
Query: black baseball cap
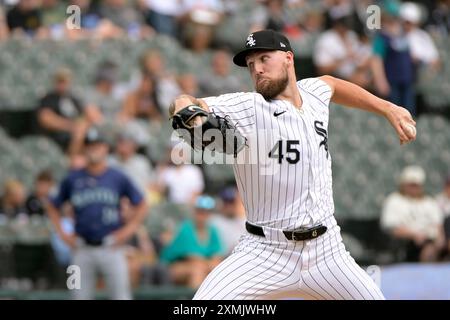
x,y
262,40
93,135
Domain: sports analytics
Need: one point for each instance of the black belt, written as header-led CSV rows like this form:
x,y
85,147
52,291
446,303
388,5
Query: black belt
x,y
93,243
301,234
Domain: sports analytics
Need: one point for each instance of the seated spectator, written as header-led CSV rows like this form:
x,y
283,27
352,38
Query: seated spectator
x,y
183,183
12,203
392,64
25,18
443,200
440,19
220,80
124,16
269,14
163,16
92,24
102,105
188,84
196,248
423,49
152,62
141,256
54,17
414,217
339,52
61,115
312,24
90,18
230,221
143,102
135,165
199,21
37,200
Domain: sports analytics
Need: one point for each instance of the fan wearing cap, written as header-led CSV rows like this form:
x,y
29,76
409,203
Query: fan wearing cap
x,y
196,248
287,190
423,49
96,194
409,215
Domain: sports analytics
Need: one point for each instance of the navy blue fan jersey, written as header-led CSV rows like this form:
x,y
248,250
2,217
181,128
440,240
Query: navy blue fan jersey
x,y
96,200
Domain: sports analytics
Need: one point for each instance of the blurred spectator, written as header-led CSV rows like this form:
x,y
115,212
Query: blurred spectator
x,y
312,24
340,53
392,64
423,49
4,32
414,217
135,165
188,84
153,63
230,222
92,24
443,198
96,193
440,19
141,256
25,18
199,21
220,80
183,183
102,104
61,115
142,103
13,201
347,8
125,16
90,18
268,15
196,248
163,16
36,201
54,17
63,252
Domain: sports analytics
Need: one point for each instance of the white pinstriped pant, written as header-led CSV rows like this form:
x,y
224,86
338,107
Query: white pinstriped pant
x,y
274,267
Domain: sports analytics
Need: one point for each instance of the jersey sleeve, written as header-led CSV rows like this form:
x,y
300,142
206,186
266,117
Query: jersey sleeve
x,y
63,194
239,108
379,46
318,89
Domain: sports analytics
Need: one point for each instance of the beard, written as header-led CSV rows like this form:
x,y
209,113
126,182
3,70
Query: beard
x,y
270,88
95,158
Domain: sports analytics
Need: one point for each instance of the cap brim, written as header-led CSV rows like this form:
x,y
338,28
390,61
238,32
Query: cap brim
x,y
239,58
90,142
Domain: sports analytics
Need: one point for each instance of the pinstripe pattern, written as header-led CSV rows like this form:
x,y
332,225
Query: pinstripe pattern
x,y
297,194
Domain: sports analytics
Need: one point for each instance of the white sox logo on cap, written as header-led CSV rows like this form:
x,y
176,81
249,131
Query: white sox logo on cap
x,y
250,41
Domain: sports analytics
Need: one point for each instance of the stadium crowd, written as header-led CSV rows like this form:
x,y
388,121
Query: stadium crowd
x,y
385,61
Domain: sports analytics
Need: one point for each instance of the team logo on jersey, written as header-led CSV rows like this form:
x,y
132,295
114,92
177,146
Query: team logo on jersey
x,y
276,113
318,126
250,41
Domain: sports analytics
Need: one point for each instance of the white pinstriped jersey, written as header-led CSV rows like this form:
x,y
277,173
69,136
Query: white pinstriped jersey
x,y
292,143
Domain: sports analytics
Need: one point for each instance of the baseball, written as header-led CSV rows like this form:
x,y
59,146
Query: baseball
x,y
411,130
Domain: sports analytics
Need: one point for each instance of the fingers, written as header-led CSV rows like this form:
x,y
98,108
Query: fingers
x,y
203,104
406,132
